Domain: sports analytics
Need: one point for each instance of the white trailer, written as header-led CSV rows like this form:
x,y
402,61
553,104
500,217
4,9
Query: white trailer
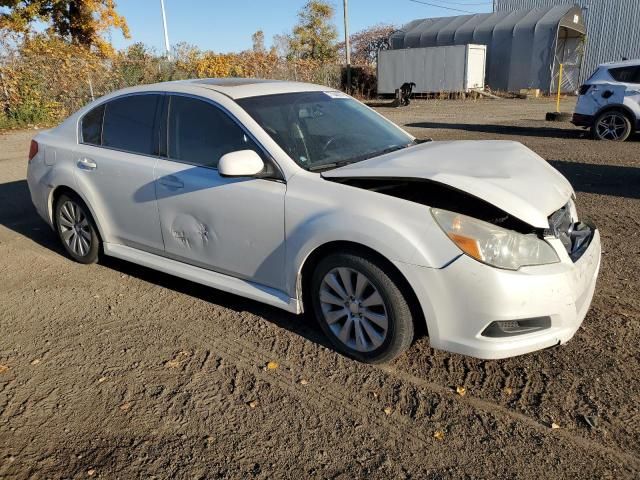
x,y
458,68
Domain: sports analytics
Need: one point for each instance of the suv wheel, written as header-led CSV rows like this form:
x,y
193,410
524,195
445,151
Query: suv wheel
x,y
612,125
76,229
360,308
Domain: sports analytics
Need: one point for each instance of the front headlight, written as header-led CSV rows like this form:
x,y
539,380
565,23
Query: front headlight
x,y
493,245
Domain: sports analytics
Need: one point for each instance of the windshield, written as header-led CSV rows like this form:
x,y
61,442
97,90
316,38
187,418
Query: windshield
x,y
321,130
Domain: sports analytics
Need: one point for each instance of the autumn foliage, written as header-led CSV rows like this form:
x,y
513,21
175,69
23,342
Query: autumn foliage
x,y
45,78
81,22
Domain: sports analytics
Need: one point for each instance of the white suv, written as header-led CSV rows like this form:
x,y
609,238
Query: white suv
x,y
609,101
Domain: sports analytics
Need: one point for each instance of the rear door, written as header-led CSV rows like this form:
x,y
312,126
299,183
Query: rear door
x,y
633,94
114,163
630,77
231,225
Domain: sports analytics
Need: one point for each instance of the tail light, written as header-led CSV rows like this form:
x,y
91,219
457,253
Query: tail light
x,y
33,149
584,89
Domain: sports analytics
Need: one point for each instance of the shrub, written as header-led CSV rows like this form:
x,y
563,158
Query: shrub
x,y
44,78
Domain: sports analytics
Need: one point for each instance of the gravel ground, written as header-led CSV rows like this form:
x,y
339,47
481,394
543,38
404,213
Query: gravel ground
x,y
117,371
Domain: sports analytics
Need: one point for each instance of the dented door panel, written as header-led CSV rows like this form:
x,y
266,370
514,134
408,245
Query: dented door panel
x,y
233,226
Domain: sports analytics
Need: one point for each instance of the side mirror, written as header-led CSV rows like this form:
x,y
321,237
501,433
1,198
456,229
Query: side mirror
x,y
244,163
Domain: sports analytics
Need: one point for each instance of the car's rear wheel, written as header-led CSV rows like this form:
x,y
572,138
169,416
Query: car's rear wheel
x,y
612,125
76,229
361,308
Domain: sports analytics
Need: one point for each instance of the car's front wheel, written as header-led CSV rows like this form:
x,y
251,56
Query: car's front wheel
x,y
612,125
361,308
76,229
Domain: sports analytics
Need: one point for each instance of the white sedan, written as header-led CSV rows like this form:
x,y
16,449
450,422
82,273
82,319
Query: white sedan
x,y
300,197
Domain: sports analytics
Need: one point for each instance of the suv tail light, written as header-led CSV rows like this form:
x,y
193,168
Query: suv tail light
x,y
33,149
584,89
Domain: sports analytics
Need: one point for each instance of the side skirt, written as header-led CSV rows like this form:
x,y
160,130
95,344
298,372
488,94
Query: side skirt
x,y
226,283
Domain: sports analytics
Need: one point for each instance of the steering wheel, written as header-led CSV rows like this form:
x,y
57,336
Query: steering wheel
x,y
333,140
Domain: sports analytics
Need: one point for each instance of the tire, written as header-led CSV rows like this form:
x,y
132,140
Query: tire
x,y
76,229
347,288
612,125
558,117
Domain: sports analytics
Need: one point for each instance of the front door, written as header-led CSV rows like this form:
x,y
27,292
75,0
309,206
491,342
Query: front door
x,y
234,226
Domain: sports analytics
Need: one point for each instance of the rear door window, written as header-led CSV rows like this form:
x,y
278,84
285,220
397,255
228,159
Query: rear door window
x,y
92,126
626,74
200,133
130,124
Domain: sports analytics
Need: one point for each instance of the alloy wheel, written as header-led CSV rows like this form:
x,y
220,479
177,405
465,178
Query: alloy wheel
x,y
353,309
612,126
74,228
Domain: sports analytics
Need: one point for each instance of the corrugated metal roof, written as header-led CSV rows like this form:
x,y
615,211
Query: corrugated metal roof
x,y
613,27
521,45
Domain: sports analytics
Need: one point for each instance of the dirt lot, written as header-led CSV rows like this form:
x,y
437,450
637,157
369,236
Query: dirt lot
x,y
116,371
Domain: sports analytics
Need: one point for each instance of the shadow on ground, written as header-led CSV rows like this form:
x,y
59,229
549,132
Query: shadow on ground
x,y
18,214
512,130
616,181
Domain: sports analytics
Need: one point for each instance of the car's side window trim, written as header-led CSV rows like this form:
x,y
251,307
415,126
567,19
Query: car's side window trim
x,y
265,153
81,141
156,121
162,124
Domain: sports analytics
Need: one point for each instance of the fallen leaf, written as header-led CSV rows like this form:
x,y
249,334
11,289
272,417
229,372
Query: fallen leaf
x,y
4,368
461,391
388,410
591,420
272,366
178,360
253,403
438,435
508,390
555,425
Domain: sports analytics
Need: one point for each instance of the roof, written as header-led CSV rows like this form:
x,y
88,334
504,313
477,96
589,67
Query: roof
x,y
465,29
520,44
623,63
235,88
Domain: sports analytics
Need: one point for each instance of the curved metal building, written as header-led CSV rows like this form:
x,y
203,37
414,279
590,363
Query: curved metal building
x,y
524,47
612,28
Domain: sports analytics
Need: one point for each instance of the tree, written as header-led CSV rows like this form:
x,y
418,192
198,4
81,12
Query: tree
x,y
258,42
83,22
281,45
366,44
314,37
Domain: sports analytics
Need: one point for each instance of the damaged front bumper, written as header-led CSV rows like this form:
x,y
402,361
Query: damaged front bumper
x,y
464,301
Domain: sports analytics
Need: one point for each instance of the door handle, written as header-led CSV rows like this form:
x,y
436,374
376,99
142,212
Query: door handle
x,y
87,164
171,182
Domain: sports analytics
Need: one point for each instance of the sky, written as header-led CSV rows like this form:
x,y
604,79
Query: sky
x,y
227,26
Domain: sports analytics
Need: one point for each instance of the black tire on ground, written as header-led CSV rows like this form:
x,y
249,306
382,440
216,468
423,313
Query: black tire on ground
x,y
400,329
73,219
612,125
558,117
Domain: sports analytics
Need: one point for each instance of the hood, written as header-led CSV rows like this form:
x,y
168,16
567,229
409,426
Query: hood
x,y
506,174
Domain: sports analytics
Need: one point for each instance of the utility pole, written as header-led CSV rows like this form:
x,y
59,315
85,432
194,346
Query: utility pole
x,y
166,34
347,45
